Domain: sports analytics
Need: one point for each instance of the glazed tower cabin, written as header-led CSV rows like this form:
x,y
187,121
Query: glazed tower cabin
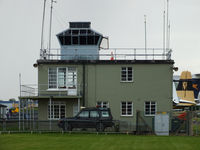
x,y
81,73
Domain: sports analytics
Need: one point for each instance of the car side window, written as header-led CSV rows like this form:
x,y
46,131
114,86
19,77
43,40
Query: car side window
x,y
104,114
84,114
94,114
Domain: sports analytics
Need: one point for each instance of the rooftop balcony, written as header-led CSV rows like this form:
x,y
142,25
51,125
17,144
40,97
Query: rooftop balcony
x,y
109,54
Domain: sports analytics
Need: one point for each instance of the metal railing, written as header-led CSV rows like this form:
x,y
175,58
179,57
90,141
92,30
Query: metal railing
x,y
44,90
109,54
178,125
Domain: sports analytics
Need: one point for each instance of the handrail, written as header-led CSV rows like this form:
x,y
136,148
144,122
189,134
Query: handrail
x,y
43,90
106,54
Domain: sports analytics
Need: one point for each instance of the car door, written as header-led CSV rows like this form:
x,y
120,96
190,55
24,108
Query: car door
x,y
82,119
94,118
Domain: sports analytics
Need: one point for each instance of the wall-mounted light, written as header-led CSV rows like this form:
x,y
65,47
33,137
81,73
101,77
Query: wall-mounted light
x,y
175,68
35,65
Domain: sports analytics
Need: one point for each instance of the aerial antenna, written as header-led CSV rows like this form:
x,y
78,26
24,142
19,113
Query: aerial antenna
x,y
145,36
167,36
164,31
50,25
169,28
43,19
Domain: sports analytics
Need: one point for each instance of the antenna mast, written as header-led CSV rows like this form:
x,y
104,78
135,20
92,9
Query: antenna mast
x,y
43,19
167,38
164,31
145,36
51,11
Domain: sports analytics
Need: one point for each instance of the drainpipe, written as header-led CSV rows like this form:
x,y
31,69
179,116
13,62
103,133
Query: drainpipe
x,y
83,85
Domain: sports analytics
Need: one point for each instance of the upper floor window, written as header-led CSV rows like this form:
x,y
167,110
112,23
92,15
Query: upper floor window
x,y
62,77
126,74
150,108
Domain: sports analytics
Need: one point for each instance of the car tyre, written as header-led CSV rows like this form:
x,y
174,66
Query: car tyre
x,y
100,127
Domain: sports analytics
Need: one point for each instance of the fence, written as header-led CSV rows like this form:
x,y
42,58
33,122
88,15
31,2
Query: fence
x,y
42,90
180,123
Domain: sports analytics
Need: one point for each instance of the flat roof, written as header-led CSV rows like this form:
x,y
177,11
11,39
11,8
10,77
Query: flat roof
x,y
106,62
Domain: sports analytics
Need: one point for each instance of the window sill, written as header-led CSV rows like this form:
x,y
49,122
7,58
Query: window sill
x,y
126,81
149,115
126,115
56,90
53,119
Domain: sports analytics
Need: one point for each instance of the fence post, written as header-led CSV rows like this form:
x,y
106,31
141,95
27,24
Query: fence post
x,y
137,121
189,123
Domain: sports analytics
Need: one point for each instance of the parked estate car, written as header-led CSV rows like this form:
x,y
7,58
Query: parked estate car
x,y
98,118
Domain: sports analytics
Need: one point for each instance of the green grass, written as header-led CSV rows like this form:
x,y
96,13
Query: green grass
x,y
96,142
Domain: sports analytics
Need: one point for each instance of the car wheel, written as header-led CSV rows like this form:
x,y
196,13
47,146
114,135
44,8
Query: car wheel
x,y
100,127
68,127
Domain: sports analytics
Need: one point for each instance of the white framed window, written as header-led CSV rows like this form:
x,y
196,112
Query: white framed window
x,y
150,108
58,110
126,108
103,104
126,74
75,109
62,77
52,77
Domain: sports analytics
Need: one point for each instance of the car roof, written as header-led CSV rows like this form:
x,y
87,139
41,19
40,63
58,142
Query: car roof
x,y
95,108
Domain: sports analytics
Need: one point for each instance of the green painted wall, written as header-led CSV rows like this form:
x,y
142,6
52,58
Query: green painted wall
x,y
43,107
151,82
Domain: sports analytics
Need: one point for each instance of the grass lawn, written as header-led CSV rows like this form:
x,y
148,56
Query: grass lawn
x,y
96,142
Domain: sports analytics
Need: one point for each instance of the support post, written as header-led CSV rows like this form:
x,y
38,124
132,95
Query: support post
x,y
50,113
78,104
23,114
19,114
27,113
33,115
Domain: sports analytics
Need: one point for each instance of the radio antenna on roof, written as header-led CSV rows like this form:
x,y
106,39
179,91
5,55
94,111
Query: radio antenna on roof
x,y
43,19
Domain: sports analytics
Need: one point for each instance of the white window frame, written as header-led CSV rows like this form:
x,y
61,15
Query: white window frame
x,y
102,104
53,103
126,74
126,115
150,108
67,82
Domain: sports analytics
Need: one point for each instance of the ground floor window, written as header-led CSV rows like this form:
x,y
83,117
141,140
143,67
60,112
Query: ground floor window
x,y
126,108
103,104
150,108
58,110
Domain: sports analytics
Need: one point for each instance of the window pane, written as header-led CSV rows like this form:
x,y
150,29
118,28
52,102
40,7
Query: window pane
x,y
62,111
104,114
62,78
52,78
84,114
75,40
94,114
83,40
150,108
72,77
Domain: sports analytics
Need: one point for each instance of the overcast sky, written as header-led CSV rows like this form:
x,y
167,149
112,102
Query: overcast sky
x,y
121,20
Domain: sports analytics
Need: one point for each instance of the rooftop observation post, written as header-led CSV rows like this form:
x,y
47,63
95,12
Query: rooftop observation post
x,y
80,42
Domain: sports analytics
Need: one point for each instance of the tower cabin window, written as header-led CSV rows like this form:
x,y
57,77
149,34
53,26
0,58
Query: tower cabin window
x,y
79,37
